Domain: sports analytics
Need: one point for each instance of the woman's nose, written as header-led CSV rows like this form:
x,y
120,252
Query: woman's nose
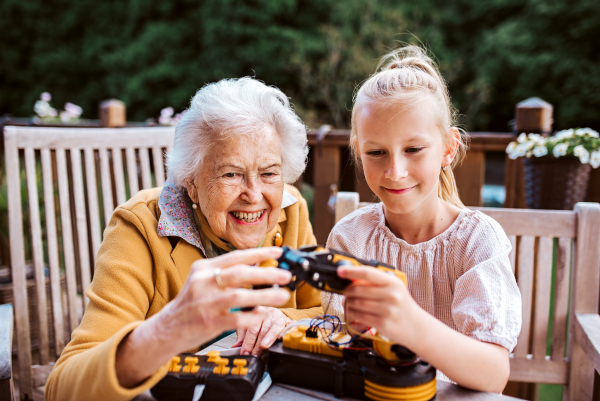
x,y
252,192
396,170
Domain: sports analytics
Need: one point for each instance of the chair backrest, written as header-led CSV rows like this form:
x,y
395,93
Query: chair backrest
x,y
81,175
556,261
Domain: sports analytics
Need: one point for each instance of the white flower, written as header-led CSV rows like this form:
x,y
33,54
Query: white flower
x,y
511,147
522,138
66,116
52,112
520,150
595,159
582,153
560,149
589,131
564,134
540,151
165,116
42,108
73,109
45,96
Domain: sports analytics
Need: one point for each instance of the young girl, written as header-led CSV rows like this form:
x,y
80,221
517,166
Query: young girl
x,y
461,311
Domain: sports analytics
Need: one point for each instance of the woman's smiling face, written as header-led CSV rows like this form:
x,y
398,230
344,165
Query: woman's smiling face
x,y
239,187
402,151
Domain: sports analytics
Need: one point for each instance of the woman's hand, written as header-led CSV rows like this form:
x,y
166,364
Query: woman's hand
x,y
378,299
201,311
261,336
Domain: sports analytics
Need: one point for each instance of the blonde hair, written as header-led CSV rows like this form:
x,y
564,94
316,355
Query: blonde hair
x,y
407,76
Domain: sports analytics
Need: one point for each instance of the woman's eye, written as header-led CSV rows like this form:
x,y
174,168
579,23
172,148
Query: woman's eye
x,y
413,150
229,175
271,174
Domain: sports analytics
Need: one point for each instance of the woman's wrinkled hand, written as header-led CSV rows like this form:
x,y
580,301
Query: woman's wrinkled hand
x,y
255,339
378,299
201,311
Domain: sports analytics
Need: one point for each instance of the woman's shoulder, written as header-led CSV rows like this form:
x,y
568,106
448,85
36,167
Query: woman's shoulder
x,y
143,205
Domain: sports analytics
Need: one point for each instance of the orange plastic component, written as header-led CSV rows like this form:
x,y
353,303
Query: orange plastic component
x,y
213,356
239,367
191,364
297,340
174,366
221,368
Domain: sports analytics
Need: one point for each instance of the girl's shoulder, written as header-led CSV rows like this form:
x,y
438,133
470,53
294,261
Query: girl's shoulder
x,y
359,224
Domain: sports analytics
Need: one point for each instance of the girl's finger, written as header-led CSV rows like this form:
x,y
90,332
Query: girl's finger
x,y
246,256
373,308
241,276
356,290
366,273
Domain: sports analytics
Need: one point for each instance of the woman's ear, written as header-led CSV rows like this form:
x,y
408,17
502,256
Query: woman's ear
x,y
451,146
192,191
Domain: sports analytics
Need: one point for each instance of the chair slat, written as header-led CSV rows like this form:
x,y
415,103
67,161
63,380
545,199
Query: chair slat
x,y
543,283
561,298
132,171
513,252
53,263
551,223
17,256
119,178
145,164
81,221
67,236
92,194
159,170
107,198
525,280
37,253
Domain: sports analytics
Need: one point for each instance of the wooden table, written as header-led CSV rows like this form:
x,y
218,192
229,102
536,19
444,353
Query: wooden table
x,y
445,391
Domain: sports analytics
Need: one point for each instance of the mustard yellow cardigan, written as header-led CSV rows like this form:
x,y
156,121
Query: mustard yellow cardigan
x,y
136,274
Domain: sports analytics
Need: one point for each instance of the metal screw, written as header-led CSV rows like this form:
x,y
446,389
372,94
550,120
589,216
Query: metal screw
x,y
305,265
315,277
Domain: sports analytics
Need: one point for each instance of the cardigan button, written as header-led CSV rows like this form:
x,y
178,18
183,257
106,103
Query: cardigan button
x,y
277,239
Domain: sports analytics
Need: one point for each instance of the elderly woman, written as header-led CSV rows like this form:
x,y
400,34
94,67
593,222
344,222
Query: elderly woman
x,y
175,261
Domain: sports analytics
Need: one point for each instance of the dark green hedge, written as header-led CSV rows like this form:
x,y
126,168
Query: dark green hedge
x,y
152,54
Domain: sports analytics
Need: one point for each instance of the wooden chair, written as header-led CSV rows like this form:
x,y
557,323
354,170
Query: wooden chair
x,y
573,333
82,174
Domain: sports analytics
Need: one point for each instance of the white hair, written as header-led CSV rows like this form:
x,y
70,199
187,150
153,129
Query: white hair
x,y
236,107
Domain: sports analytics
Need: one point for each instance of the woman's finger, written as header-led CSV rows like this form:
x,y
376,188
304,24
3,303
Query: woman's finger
x,y
366,273
241,276
241,298
246,256
269,338
250,338
241,333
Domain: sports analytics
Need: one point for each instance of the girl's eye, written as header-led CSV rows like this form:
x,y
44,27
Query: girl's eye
x,y
375,153
413,150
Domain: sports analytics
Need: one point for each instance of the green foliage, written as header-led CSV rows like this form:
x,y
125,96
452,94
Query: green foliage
x,y
154,54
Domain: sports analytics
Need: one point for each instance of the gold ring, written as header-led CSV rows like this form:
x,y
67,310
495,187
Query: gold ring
x,y
217,276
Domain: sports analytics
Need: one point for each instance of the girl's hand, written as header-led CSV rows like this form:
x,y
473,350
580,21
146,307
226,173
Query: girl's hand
x,y
378,299
255,339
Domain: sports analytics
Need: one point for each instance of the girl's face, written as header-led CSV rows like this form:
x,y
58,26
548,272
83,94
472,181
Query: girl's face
x,y
402,151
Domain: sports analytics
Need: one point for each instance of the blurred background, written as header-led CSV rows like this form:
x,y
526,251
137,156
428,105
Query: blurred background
x,y
154,54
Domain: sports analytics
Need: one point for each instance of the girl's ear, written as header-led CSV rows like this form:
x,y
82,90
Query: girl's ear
x,y
451,147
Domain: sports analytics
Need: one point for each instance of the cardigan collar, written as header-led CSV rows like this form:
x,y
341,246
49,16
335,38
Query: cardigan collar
x,y
177,217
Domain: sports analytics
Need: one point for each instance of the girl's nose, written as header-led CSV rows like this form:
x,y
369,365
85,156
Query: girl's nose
x,y
396,170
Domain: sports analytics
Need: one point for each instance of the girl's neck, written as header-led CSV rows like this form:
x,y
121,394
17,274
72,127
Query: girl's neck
x,y
428,221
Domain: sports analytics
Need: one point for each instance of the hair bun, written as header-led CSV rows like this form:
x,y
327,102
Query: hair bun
x,y
407,57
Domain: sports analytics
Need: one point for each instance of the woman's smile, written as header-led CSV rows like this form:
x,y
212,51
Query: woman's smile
x,y
248,218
